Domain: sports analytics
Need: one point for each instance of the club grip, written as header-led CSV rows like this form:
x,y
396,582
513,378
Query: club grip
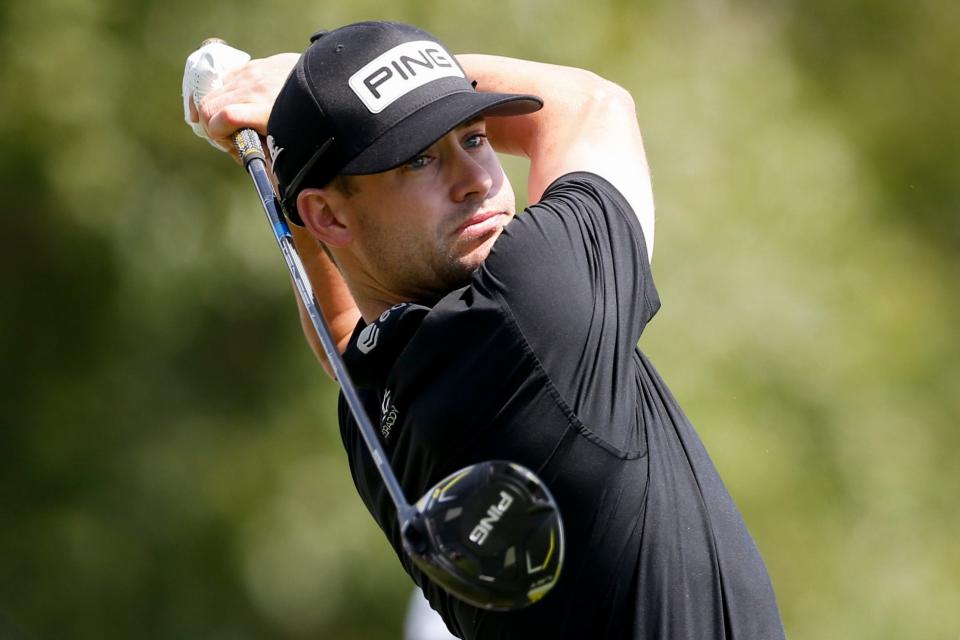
x,y
248,145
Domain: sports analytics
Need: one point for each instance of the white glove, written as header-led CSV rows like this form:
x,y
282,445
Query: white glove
x,y
203,73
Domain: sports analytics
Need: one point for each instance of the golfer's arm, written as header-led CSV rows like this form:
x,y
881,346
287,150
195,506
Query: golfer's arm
x,y
333,297
587,124
329,290
245,101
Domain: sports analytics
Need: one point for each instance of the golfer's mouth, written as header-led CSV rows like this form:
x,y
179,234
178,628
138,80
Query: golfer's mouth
x,y
482,222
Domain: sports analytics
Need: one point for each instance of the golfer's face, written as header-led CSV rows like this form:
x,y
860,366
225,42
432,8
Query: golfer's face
x,y
424,227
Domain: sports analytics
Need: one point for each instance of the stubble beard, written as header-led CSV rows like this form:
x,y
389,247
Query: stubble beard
x,y
453,270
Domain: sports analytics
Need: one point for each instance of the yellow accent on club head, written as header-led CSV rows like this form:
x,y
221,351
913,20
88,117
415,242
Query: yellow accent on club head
x,y
546,561
439,491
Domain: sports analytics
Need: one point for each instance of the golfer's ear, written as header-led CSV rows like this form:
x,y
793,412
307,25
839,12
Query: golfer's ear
x,y
320,210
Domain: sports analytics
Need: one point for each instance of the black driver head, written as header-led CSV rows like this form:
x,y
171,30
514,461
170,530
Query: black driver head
x,y
490,534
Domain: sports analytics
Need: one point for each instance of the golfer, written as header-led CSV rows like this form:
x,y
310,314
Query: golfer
x,y
475,333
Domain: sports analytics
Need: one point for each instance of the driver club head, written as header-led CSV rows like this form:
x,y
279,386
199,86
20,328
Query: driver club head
x,y
490,534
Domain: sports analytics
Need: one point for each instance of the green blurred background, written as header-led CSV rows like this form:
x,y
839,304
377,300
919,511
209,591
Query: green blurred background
x,y
169,461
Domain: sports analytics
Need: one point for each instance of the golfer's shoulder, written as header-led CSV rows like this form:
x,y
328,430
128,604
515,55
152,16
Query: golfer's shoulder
x,y
580,210
586,192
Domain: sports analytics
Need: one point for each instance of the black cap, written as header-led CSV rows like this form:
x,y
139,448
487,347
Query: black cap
x,y
366,98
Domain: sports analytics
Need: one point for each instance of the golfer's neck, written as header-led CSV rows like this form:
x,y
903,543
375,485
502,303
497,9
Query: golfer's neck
x,y
372,300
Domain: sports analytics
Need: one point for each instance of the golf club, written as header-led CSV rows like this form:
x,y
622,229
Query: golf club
x,y
491,533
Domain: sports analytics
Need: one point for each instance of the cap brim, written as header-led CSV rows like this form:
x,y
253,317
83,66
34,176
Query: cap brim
x,y
425,126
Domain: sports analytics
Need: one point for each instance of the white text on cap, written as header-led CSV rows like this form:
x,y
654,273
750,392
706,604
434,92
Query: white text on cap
x,y
406,67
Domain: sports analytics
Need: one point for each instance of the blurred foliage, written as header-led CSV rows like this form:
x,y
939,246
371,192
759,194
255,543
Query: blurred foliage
x,y
171,467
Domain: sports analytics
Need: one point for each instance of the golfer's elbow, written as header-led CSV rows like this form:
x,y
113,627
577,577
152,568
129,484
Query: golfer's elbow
x,y
596,94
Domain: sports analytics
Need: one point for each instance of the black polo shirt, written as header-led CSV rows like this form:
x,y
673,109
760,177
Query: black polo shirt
x,y
536,362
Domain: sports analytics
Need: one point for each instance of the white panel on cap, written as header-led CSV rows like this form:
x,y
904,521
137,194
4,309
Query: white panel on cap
x,y
406,67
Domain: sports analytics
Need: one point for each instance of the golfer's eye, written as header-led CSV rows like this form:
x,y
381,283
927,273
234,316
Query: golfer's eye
x,y
418,162
476,140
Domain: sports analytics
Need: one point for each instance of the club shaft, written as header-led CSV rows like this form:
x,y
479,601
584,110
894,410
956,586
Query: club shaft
x,y
251,152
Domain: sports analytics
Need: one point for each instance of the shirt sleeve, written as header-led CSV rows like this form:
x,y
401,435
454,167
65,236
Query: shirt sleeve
x,y
573,272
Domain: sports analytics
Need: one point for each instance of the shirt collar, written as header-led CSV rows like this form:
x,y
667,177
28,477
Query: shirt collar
x,y
374,348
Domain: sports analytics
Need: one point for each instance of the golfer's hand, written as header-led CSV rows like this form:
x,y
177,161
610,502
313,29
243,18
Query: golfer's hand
x,y
245,99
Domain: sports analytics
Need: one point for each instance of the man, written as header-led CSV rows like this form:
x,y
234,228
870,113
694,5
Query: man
x,y
475,335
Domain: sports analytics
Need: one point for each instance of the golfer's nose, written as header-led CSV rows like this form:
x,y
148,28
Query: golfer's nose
x,y
470,180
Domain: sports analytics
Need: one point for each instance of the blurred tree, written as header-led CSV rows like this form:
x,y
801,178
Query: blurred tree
x,y
886,71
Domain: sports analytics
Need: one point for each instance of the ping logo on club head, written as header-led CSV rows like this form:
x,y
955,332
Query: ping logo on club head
x,y
406,67
485,527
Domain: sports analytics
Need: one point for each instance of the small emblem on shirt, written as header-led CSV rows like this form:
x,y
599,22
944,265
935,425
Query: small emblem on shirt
x,y
388,415
275,150
386,314
368,338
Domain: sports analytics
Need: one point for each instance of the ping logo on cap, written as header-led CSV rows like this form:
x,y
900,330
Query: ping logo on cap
x,y
406,67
